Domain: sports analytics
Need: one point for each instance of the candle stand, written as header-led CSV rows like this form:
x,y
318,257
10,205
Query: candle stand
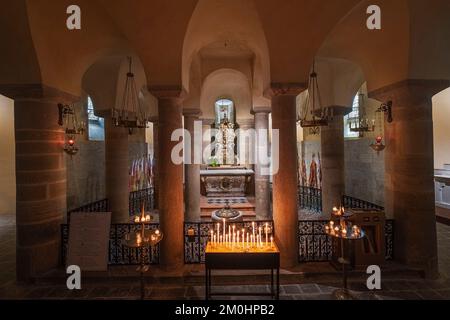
x,y
140,240
221,258
346,236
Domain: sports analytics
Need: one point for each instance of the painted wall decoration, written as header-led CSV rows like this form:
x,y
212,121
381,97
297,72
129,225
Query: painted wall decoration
x,y
142,173
311,176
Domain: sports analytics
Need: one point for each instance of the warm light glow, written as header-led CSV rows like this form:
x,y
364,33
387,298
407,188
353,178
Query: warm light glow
x,y
227,238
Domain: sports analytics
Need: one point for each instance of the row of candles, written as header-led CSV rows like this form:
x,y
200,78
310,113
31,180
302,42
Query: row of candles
x,y
241,238
343,229
140,236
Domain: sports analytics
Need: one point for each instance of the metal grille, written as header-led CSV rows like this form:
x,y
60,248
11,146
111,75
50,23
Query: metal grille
x,y
97,206
313,243
350,202
316,246
137,198
310,198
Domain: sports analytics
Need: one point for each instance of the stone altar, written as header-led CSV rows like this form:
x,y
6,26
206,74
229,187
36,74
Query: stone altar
x,y
226,181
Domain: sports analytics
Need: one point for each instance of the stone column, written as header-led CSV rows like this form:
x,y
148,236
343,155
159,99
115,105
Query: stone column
x,y
192,170
41,183
333,161
409,171
285,212
262,181
171,205
117,171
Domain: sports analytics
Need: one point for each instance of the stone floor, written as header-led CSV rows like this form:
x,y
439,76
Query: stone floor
x,y
307,287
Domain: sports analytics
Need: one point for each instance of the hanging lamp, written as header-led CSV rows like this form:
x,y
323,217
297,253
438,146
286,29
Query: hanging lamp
x,y
130,114
313,116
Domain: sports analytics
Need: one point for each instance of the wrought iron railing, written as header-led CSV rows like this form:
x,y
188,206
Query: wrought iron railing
x,y
316,246
137,198
310,198
97,206
118,254
194,246
350,202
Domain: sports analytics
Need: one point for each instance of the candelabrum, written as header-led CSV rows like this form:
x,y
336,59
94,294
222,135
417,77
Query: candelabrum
x,y
232,238
141,239
343,231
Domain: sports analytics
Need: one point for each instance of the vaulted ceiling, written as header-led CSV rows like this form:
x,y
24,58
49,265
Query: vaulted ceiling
x,y
181,42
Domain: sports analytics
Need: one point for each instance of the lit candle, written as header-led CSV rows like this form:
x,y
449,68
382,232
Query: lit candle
x,y
271,241
260,237
224,228
335,211
148,218
253,229
243,238
212,237
218,231
138,238
237,239
136,219
267,233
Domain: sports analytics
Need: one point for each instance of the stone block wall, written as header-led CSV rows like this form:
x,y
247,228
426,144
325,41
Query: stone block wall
x,y
364,171
364,168
86,171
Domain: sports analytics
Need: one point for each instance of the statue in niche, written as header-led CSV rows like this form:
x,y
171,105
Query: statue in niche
x,y
224,141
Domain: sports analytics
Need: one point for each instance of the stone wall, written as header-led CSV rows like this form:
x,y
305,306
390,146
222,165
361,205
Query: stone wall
x,y
364,168
86,171
364,171
86,174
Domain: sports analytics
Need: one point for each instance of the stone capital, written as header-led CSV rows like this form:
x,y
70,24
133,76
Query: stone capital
x,y
410,91
281,89
154,119
192,113
265,109
37,91
167,92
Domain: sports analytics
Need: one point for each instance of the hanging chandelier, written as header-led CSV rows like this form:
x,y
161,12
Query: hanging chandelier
x,y
68,118
314,116
362,123
130,114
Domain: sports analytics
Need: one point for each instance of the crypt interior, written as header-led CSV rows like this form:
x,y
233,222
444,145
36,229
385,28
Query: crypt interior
x,y
355,130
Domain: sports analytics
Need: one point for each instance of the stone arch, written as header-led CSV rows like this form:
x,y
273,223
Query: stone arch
x,y
238,39
230,84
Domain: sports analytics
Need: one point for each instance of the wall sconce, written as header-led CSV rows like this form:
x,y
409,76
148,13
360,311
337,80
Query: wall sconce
x,y
386,108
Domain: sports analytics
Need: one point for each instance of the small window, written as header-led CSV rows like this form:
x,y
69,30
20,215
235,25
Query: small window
x,y
351,118
96,127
